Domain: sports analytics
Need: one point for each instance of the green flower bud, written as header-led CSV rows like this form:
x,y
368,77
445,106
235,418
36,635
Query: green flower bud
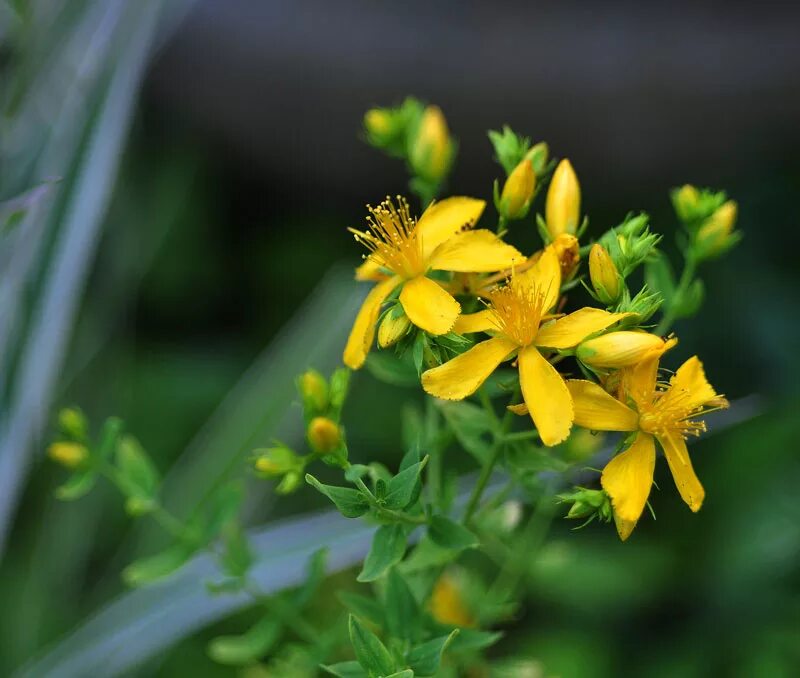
x,y
693,206
276,461
314,391
517,192
72,423
431,149
68,454
716,236
630,243
394,326
606,280
589,504
324,435
538,155
509,148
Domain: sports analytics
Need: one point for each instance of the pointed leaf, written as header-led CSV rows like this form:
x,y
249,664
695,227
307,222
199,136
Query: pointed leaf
x,y
147,570
346,670
351,503
77,485
249,647
404,488
370,651
388,547
425,659
451,535
402,610
363,606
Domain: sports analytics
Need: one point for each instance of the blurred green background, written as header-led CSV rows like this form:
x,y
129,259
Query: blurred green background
x,y
228,135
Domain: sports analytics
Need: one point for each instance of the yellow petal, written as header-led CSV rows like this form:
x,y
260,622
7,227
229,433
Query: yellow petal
x,y
428,306
689,387
571,330
677,455
464,374
478,251
621,349
444,219
360,340
597,410
628,478
546,395
545,276
639,381
370,270
482,321
520,409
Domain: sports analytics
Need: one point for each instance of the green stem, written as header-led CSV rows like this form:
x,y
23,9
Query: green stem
x,y
494,456
521,435
670,315
286,613
385,512
502,224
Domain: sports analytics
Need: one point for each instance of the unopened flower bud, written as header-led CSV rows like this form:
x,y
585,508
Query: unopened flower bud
x,y
716,235
563,206
621,349
276,461
517,191
685,200
392,329
70,455
431,149
290,482
606,280
378,123
538,155
588,504
72,423
324,435
447,604
569,254
314,390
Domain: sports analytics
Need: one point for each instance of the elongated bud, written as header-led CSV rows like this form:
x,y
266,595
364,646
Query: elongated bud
x,y
275,461
378,123
685,200
392,329
447,605
587,504
70,455
517,191
568,251
314,390
538,155
72,423
431,149
606,280
563,206
621,349
716,235
324,435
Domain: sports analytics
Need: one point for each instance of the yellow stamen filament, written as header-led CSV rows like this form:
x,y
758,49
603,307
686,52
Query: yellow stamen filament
x,y
392,238
518,311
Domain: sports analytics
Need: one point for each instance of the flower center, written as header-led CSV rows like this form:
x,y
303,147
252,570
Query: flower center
x,y
392,238
664,415
517,310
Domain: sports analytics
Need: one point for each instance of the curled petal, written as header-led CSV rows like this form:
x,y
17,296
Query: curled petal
x,y
464,374
363,332
444,219
428,306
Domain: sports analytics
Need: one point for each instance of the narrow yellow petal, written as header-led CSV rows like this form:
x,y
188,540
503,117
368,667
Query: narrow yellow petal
x,y
444,219
428,306
360,340
478,251
621,349
639,381
464,374
370,270
689,387
571,330
546,395
482,321
544,276
597,410
628,478
677,455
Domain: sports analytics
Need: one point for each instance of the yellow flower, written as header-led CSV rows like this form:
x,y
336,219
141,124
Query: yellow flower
x,y
410,250
563,205
622,349
515,317
446,604
666,413
70,455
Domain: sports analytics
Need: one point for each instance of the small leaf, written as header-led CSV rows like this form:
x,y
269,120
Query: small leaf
x,y
370,651
314,577
388,547
249,647
404,488
473,639
236,557
425,659
363,606
405,673
471,425
392,369
221,510
346,670
355,472
351,503
451,535
690,301
659,277
426,555
150,569
77,485
402,610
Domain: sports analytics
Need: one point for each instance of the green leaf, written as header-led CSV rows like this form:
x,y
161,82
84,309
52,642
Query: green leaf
x,y
527,457
315,576
404,488
473,639
346,670
691,300
451,535
426,554
659,277
249,647
77,485
351,503
221,510
392,369
425,659
401,609
356,471
370,651
236,557
137,477
363,606
388,547
405,673
472,426
150,569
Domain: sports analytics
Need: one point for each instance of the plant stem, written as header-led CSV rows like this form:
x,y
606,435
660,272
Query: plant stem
x,y
385,512
670,315
494,456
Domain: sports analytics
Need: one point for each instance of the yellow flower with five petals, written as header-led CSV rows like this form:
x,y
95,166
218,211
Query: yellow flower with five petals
x,y
519,318
409,250
652,411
